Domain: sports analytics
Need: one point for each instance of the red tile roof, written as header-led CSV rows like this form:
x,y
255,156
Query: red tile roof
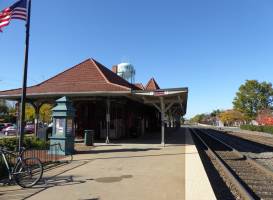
x,y
139,86
88,76
152,85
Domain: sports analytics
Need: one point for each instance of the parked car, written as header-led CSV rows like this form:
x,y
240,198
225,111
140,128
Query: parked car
x,y
29,128
7,124
2,126
11,130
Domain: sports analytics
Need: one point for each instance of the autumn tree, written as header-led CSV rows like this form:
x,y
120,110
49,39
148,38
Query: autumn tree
x,y
229,117
29,113
252,97
46,113
265,117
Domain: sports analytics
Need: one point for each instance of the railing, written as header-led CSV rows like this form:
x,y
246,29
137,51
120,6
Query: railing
x,y
51,155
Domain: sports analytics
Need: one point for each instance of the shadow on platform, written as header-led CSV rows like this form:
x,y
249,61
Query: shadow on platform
x,y
94,151
44,184
172,137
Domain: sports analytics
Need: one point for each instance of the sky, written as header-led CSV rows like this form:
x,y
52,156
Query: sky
x,y
209,46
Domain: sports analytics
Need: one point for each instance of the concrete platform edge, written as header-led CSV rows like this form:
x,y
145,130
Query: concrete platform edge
x,y
197,185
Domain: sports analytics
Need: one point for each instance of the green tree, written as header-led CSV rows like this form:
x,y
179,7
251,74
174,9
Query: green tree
x,y
3,109
215,113
198,118
5,112
252,97
12,111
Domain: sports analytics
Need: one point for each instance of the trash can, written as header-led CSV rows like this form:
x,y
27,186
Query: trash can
x,y
89,137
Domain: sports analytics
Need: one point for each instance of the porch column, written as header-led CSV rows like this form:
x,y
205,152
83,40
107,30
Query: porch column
x,y
162,121
107,120
36,120
36,107
17,108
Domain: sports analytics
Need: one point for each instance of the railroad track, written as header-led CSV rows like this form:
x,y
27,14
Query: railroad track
x,y
257,150
262,139
250,179
257,137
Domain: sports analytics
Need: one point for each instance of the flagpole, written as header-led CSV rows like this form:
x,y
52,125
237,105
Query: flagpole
x,y
23,96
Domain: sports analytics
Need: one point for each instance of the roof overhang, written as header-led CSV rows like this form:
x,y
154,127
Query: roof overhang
x,y
174,98
16,97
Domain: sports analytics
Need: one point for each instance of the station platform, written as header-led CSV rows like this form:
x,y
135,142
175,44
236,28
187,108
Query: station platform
x,y
127,170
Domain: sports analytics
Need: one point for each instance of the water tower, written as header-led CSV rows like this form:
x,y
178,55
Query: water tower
x,y
126,71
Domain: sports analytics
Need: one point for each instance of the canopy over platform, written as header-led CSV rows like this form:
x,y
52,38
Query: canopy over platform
x,y
175,98
172,100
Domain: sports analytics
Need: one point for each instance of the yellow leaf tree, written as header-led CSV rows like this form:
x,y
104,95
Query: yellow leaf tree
x,y
45,113
44,116
30,113
229,117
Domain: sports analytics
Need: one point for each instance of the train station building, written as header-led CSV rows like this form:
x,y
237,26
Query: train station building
x,y
108,102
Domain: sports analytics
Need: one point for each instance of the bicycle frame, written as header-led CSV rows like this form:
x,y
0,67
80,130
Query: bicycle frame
x,y
18,160
22,168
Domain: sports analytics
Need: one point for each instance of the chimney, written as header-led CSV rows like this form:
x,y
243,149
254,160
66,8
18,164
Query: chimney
x,y
115,69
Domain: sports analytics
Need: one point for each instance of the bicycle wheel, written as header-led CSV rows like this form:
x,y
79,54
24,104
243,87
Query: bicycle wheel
x,y
28,172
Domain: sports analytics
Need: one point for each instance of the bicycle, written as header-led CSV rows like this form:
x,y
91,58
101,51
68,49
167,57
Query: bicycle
x,y
26,172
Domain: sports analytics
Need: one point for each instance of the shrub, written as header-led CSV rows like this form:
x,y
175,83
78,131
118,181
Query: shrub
x,y
9,143
28,143
35,143
266,129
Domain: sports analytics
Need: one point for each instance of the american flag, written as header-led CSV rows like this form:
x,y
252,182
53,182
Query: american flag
x,y
16,11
